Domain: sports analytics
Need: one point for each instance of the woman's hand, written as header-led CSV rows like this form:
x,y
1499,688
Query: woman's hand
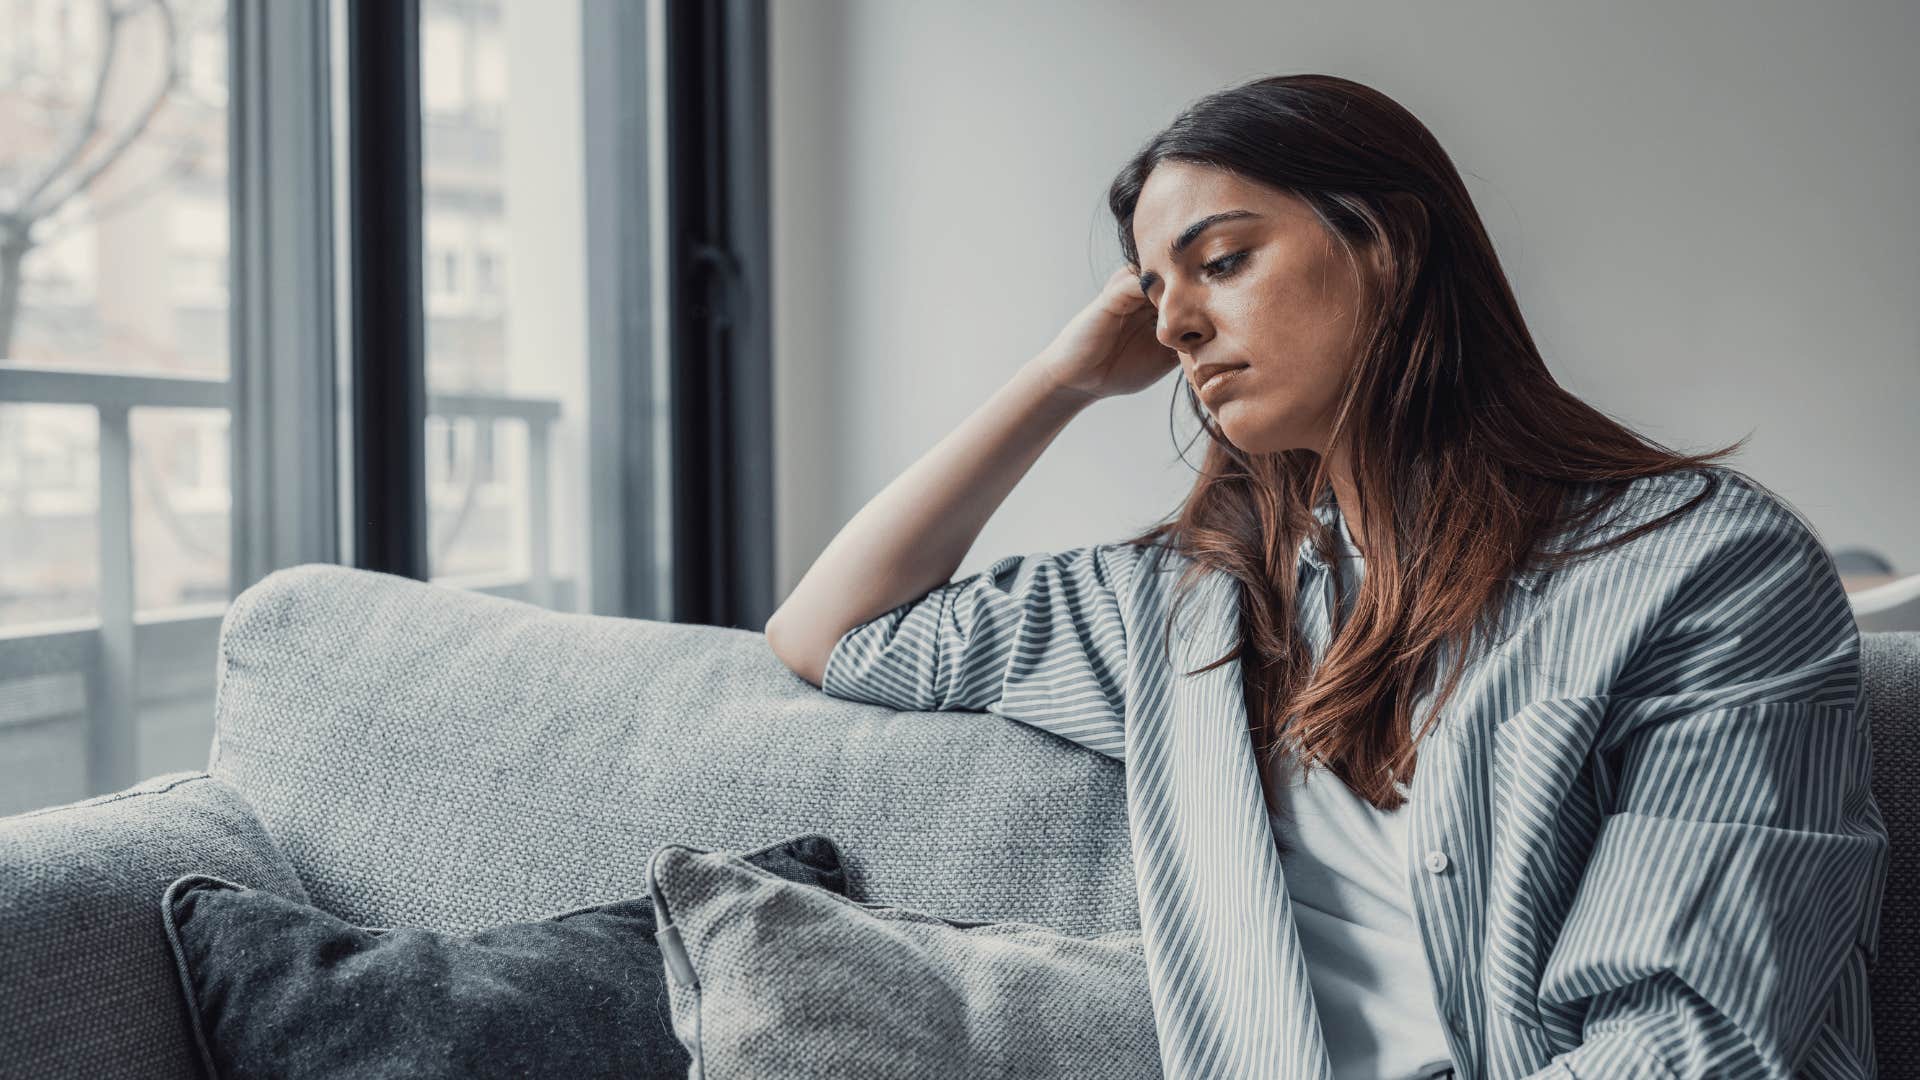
x,y
1111,347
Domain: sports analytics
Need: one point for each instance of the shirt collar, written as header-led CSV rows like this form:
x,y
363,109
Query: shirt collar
x,y
1328,512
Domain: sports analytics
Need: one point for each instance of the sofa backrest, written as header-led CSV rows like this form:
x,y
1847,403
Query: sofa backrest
x,y
429,756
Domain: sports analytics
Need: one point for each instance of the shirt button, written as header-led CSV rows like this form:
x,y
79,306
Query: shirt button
x,y
1436,860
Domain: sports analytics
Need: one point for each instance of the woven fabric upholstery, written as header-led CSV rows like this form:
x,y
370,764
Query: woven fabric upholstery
x,y
785,981
1892,671
85,972
433,757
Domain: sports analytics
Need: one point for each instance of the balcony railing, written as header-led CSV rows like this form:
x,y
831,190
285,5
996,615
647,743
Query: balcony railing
x,y
113,654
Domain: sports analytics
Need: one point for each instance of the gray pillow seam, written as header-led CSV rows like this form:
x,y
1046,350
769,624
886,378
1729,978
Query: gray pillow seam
x,y
115,797
180,959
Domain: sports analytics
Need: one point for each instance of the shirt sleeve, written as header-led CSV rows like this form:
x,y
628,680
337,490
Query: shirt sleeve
x,y
1741,861
1036,638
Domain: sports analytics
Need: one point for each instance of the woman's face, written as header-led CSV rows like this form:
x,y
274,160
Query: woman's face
x,y
1272,291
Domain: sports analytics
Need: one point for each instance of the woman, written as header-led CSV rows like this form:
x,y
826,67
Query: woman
x,y
1640,839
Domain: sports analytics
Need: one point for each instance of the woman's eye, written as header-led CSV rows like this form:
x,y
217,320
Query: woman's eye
x,y
1224,265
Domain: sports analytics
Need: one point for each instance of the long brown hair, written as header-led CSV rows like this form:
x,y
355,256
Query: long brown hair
x,y
1463,448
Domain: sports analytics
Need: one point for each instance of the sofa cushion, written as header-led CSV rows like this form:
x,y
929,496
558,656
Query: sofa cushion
x,y
770,979
86,980
431,756
278,988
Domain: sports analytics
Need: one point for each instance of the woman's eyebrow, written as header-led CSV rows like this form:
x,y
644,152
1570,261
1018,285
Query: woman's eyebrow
x,y
1188,236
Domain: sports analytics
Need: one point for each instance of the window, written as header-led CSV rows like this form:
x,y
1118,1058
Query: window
x,y
505,226
200,240
486,274
443,278
116,508
171,376
443,86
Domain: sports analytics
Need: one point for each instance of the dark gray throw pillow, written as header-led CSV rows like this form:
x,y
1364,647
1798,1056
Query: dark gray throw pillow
x,y
283,989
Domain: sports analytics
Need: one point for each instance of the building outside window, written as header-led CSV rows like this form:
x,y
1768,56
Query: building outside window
x,y
119,260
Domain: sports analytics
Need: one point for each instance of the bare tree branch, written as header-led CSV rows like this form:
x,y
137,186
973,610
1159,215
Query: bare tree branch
x,y
49,230
89,119
41,198
14,246
155,102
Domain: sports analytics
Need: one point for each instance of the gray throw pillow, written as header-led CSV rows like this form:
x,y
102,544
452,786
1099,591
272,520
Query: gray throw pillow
x,y
277,988
771,979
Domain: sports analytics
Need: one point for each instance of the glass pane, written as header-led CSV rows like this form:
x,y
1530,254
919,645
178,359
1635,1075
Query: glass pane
x,y
114,242
49,514
175,680
43,741
181,503
475,511
113,185
505,267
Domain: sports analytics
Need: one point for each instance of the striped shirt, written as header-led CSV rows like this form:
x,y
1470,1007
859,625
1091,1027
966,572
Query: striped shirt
x,y
1641,833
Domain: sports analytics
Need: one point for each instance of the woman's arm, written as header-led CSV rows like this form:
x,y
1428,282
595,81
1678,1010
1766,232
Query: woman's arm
x,y
911,537
1039,638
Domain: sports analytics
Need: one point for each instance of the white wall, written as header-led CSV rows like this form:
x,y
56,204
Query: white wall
x,y
1707,209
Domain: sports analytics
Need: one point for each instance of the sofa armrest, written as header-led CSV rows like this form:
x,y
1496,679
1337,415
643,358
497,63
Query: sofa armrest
x,y
87,982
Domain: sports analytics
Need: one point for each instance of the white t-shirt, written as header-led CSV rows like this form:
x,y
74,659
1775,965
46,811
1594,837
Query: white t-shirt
x,y
1353,907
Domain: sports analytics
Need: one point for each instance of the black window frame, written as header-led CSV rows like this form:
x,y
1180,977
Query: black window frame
x,y
716,564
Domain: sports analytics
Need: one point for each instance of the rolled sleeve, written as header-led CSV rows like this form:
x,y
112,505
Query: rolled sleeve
x,y
1741,859
1037,638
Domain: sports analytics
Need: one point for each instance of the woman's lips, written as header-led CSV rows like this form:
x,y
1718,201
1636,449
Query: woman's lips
x,y
1218,380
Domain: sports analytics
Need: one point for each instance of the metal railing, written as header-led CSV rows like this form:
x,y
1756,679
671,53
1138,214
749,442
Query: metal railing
x,y
103,648
540,415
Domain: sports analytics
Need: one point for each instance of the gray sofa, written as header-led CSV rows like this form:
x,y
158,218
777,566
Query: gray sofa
x,y
404,754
